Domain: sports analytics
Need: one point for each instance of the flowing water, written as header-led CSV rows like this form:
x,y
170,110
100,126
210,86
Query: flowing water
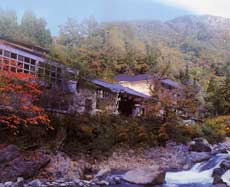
x,y
200,175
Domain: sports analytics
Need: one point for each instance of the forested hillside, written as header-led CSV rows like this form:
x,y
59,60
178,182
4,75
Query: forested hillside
x,y
200,43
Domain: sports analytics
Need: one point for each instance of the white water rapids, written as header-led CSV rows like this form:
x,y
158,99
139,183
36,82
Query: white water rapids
x,y
200,173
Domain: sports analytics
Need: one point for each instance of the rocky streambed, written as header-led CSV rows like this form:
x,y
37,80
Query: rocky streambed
x,y
196,164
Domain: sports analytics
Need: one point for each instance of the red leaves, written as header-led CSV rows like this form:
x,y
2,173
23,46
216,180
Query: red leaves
x,y
18,93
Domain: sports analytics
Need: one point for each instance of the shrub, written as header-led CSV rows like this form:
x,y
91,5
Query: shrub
x,y
216,129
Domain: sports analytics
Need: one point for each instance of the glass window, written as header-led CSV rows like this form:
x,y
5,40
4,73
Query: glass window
x,y
26,67
41,64
33,61
53,68
32,68
53,74
20,65
41,72
6,53
20,57
47,72
0,51
59,70
19,70
26,59
14,55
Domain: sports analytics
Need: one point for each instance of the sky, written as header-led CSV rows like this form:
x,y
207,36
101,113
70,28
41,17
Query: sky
x,y
56,12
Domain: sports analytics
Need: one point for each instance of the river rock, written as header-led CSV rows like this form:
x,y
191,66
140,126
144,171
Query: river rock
x,y
13,165
61,166
218,172
200,145
103,173
199,156
218,180
225,164
35,183
8,154
145,176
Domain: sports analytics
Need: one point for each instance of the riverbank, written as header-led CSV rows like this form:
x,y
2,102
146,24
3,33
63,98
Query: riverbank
x,y
60,169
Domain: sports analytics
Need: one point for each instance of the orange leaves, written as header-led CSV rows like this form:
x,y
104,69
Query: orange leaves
x,y
19,91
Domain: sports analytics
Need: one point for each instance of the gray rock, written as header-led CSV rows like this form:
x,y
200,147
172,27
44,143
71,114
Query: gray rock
x,y
218,180
199,156
77,181
218,172
145,176
8,153
8,184
200,145
35,183
2,185
103,183
225,164
13,165
103,172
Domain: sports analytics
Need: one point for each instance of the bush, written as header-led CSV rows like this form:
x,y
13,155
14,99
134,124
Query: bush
x,y
102,132
216,129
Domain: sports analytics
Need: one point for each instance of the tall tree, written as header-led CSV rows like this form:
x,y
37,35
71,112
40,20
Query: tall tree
x,y
34,30
8,24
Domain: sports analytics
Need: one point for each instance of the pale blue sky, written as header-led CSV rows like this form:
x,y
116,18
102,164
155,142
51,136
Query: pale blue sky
x,y
57,11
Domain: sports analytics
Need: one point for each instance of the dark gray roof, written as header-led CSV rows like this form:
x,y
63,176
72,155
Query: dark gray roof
x,y
117,88
132,78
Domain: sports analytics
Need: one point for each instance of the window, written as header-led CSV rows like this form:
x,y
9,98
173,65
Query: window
x,y
41,72
6,53
27,60
53,74
0,51
20,65
41,64
33,61
19,70
20,58
32,68
26,67
14,55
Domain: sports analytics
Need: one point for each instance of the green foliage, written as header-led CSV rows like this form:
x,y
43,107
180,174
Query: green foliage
x,y
102,132
216,129
31,29
8,24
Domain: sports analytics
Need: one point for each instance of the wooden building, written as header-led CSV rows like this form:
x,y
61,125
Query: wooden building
x,y
23,58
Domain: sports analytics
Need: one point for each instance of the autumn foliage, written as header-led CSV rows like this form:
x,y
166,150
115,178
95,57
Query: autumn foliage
x,y
19,93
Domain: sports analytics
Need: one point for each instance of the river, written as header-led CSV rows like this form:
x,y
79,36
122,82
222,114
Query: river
x,y
200,175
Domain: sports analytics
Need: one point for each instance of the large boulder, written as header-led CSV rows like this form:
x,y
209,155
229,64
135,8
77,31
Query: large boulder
x,y
200,145
14,165
8,153
225,164
62,166
218,172
145,176
199,156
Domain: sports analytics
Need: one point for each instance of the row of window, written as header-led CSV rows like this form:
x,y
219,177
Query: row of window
x,y
10,61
